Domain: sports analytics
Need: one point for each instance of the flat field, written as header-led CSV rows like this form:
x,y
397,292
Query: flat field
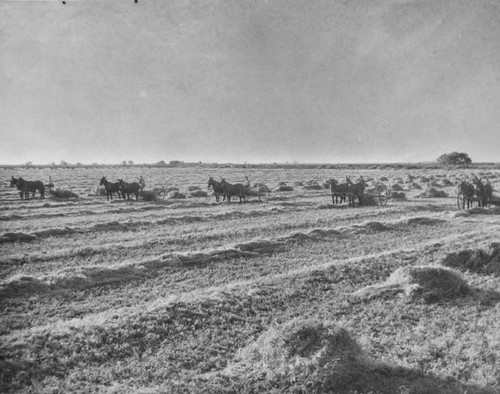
x,y
287,294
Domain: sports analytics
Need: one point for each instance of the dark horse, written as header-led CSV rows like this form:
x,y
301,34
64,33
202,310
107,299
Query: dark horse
x,y
236,189
465,193
339,191
110,188
355,190
25,187
127,188
217,187
484,192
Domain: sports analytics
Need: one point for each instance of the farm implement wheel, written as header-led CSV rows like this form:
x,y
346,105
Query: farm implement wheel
x,y
383,195
159,191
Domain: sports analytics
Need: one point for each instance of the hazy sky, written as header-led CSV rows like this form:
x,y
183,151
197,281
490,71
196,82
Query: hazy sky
x,y
249,80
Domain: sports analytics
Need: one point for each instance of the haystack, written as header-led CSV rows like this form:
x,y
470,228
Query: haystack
x,y
283,188
430,283
176,195
198,193
302,352
433,193
476,260
398,195
63,194
312,185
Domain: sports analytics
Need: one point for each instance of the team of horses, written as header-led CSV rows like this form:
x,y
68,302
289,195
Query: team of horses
x,y
228,190
347,191
479,190
27,187
122,188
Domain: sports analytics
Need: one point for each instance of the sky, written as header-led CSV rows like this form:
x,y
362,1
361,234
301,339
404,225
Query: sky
x,y
256,81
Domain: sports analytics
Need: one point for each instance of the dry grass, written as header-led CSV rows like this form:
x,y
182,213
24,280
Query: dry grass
x,y
193,296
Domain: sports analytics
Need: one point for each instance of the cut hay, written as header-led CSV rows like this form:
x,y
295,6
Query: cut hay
x,y
430,283
198,193
370,200
149,195
283,188
15,237
63,194
300,352
476,260
433,193
175,195
312,185
415,185
396,187
110,226
398,196
425,221
22,285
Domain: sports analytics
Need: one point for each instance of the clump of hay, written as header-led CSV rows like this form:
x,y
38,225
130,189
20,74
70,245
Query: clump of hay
x,y
398,195
433,193
298,183
193,188
430,283
415,185
396,187
312,185
383,179
22,285
176,195
14,237
476,260
423,179
423,220
447,182
283,188
198,193
149,195
369,200
302,354
63,194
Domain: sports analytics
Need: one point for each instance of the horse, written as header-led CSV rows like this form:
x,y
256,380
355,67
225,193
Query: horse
x,y
217,187
483,193
339,191
355,190
110,188
236,189
465,193
25,187
127,188
489,192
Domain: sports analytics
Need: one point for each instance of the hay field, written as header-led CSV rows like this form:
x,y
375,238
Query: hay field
x,y
291,294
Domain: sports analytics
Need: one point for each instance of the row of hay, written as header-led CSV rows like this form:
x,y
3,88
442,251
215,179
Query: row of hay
x,y
94,276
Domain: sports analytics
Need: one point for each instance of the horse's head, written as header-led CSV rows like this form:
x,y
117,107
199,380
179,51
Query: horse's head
x,y
13,181
210,182
103,181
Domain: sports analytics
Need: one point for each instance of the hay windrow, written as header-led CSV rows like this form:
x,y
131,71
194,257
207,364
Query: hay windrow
x,y
425,221
17,237
430,283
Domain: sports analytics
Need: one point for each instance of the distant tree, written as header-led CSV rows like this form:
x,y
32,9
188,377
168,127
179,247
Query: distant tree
x,y
28,164
63,163
175,163
162,163
124,162
79,164
130,163
454,158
